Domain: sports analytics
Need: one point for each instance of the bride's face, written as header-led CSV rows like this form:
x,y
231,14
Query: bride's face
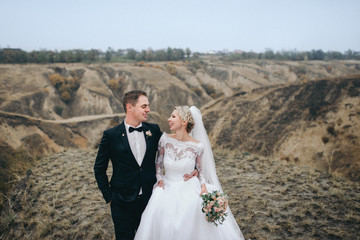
x,y
175,122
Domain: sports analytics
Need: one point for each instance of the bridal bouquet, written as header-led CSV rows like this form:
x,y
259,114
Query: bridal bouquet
x,y
214,206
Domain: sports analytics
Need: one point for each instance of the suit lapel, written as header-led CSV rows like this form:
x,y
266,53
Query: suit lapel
x,y
147,140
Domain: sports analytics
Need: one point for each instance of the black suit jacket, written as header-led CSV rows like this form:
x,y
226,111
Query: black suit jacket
x,y
128,177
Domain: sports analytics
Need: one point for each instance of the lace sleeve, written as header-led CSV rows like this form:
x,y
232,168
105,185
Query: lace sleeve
x,y
199,167
160,161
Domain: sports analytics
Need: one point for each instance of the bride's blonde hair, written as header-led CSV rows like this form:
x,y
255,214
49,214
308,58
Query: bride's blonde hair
x,y
185,114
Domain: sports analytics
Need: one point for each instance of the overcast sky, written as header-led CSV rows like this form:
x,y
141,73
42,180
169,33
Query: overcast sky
x,y
201,25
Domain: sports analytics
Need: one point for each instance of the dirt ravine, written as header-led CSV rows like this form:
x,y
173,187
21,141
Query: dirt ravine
x,y
302,117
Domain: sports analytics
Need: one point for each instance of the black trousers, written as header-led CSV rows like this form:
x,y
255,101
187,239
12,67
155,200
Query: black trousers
x,y
126,217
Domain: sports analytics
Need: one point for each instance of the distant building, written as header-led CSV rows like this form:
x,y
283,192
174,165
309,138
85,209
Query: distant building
x,y
212,52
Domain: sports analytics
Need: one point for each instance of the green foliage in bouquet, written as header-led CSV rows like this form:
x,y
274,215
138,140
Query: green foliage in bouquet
x,y
214,206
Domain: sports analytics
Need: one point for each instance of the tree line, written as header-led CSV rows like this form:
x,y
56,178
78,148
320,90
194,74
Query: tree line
x,y
14,55
11,55
295,55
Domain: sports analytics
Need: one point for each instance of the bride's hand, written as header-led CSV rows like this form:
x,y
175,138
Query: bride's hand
x,y
189,176
203,189
160,184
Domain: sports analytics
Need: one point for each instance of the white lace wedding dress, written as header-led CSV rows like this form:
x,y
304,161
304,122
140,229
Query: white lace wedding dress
x,y
174,212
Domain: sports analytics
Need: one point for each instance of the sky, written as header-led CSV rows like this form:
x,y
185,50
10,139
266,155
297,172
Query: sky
x,y
201,25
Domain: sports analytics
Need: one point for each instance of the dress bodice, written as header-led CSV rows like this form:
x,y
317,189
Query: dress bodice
x,y
177,158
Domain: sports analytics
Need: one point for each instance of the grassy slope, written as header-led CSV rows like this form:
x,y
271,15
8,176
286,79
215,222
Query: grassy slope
x,y
269,199
275,200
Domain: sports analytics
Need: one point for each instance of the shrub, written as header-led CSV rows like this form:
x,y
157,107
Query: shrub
x,y
157,66
331,130
65,96
198,91
171,69
325,139
140,64
56,80
197,64
58,110
113,84
65,86
329,69
209,89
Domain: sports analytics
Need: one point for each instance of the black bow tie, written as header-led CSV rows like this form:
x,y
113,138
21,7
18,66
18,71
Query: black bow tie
x,y
139,129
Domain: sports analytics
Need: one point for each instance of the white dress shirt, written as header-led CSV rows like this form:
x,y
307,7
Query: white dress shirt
x,y
137,143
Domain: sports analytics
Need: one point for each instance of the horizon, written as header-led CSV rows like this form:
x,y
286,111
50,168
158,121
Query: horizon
x,y
210,52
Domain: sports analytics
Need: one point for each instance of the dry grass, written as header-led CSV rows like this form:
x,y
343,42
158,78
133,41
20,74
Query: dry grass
x,y
59,199
276,200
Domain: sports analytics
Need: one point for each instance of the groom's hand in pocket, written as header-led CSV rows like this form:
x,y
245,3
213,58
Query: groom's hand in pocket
x,y
189,176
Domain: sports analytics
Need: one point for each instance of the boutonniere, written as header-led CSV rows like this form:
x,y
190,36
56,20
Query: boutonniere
x,y
148,133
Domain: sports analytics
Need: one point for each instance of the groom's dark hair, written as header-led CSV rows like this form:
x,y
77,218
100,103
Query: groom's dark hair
x,y
132,97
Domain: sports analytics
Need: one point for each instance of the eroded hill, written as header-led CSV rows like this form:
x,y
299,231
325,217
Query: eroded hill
x,y
56,91
315,123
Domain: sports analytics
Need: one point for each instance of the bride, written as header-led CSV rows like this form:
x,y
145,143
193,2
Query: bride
x,y
174,209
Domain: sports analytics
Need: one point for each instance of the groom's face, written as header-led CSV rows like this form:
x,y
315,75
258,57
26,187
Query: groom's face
x,y
141,109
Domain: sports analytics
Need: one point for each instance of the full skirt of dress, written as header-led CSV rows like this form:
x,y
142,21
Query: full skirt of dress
x,y
174,212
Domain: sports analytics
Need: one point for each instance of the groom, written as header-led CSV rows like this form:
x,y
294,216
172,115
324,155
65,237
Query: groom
x,y
131,147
